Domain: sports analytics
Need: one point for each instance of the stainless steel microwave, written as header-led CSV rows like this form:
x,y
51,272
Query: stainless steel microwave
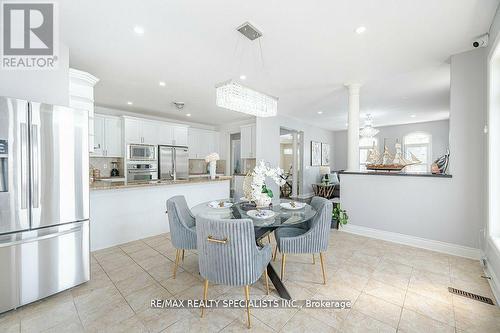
x,y
142,152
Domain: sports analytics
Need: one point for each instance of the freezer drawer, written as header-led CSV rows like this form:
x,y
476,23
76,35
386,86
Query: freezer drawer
x,y
43,262
8,279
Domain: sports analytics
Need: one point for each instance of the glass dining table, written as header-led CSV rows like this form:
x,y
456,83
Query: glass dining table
x,y
284,213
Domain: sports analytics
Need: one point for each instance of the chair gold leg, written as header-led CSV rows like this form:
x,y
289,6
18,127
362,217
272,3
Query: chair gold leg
x,y
183,255
283,257
177,256
205,293
269,238
247,298
314,260
267,281
275,252
322,266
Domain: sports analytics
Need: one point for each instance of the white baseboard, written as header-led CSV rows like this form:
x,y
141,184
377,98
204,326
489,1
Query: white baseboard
x,y
305,195
428,244
495,279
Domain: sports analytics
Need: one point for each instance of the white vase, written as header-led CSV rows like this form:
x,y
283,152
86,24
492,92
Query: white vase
x,y
212,167
263,202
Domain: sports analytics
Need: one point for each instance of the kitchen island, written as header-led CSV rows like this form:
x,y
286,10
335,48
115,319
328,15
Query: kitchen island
x,y
121,212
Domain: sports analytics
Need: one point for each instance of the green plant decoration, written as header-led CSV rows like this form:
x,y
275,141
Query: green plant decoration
x,y
267,191
340,215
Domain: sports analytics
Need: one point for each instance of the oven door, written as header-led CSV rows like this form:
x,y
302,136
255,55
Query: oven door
x,y
134,175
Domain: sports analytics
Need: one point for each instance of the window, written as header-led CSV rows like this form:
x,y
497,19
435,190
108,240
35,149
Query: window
x,y
418,144
365,144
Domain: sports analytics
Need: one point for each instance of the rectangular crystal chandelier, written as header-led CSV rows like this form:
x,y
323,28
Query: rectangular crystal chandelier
x,y
234,96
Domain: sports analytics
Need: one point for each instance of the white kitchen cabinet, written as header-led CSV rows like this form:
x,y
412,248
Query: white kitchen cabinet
x,y
180,136
248,141
81,96
132,130
165,135
107,136
150,132
202,142
98,149
144,131
113,137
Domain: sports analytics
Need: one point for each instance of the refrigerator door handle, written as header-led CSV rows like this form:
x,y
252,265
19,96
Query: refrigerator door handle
x,y
37,238
174,161
24,166
35,167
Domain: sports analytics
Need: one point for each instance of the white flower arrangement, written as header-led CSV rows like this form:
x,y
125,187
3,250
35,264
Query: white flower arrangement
x,y
213,157
260,193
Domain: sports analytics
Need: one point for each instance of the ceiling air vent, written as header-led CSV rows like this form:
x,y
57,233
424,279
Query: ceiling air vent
x,y
249,31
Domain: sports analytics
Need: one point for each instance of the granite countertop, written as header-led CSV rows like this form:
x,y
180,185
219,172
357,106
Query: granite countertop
x,y
104,185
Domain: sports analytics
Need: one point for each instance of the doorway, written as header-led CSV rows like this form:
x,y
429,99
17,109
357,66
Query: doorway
x,y
291,150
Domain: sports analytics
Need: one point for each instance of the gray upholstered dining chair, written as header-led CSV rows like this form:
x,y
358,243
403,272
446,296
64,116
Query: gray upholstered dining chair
x,y
312,239
228,254
182,227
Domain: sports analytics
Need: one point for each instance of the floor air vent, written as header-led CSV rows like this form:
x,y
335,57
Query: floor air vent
x,y
471,295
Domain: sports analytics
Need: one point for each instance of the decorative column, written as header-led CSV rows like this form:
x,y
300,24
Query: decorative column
x,y
295,165
353,127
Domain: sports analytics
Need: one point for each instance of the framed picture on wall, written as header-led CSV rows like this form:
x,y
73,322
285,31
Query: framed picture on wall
x,y
315,153
325,154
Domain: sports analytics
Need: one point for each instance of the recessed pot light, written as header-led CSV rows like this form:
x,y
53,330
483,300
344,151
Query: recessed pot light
x,y
161,83
130,103
243,77
139,30
320,112
188,114
413,115
360,30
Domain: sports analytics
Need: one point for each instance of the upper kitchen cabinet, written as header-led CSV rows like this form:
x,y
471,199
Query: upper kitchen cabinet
x,y
180,136
144,131
132,130
81,96
150,132
107,136
248,141
202,142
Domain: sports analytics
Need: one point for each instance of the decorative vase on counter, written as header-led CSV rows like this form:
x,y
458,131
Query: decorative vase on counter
x,y
212,159
212,167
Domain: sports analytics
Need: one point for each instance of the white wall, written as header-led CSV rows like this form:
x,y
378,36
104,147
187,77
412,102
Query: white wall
x,y
268,146
44,86
422,208
438,129
491,247
438,209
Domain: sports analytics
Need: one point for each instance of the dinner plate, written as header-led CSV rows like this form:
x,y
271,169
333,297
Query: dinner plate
x,y
220,204
293,205
262,214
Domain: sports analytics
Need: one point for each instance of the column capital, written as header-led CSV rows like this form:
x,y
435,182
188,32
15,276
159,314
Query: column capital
x,y
353,86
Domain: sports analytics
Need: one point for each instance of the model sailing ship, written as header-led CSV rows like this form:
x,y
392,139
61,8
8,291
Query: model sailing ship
x,y
387,161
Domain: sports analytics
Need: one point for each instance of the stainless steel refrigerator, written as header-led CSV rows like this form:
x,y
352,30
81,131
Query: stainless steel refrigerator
x,y
44,201
174,162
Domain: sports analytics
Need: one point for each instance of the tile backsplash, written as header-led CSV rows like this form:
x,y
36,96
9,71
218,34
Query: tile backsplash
x,y
198,166
104,164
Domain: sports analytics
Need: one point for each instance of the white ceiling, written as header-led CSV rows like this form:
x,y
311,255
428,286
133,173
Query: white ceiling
x,y
309,50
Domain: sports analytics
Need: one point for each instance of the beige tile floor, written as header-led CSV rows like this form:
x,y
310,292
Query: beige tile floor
x,y
392,288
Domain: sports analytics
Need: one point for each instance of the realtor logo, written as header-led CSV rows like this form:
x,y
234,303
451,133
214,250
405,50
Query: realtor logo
x,y
29,35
